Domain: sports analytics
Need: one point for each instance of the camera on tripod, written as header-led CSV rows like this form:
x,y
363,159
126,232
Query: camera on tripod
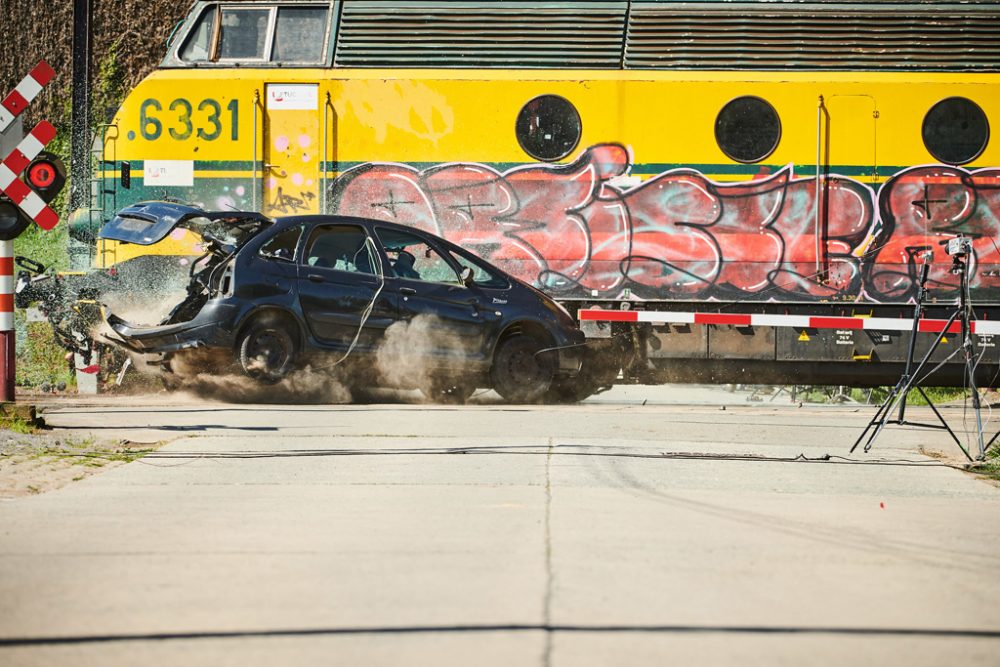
x,y
960,246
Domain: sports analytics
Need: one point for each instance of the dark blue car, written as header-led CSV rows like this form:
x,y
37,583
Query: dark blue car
x,y
387,304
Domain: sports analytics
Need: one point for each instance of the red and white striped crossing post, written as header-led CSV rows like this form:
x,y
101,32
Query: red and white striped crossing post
x,y
27,200
7,348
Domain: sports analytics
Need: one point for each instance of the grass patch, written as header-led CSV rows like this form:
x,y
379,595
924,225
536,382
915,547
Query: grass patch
x,y
990,467
17,425
88,455
935,394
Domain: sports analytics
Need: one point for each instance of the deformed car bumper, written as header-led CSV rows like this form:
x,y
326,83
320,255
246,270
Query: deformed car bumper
x,y
569,354
214,326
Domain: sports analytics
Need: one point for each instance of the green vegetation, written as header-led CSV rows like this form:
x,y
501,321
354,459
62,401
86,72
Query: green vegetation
x,y
873,396
990,467
16,424
936,394
87,454
40,359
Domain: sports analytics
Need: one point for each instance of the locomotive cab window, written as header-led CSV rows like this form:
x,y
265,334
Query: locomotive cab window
x,y
198,47
548,128
955,131
244,33
747,129
298,36
230,34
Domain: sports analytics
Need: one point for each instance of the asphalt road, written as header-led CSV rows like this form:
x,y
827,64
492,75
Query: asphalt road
x,y
646,526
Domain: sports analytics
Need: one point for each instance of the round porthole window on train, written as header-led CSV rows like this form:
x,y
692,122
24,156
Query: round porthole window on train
x,y
548,127
955,130
747,129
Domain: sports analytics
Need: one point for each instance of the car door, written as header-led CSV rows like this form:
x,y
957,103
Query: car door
x,y
341,289
455,320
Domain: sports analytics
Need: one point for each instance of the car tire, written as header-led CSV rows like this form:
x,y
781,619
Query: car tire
x,y
598,371
571,390
266,351
519,373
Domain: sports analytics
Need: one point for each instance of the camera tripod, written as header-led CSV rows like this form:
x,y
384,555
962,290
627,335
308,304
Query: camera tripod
x,y
913,377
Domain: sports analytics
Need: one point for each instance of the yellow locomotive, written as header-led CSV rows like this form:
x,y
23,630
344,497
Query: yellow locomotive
x,y
703,152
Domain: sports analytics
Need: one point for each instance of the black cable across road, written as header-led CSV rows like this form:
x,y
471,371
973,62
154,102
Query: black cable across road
x,y
526,450
511,627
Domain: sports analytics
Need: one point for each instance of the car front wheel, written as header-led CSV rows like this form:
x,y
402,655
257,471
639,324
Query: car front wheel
x,y
520,374
266,351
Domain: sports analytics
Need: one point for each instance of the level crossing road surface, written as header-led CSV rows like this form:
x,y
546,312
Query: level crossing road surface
x,y
668,525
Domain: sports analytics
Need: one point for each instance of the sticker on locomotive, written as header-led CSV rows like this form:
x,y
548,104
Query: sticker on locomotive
x,y
293,97
169,173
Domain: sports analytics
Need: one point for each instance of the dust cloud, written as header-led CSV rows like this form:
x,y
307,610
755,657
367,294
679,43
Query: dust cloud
x,y
419,354
144,292
422,353
303,386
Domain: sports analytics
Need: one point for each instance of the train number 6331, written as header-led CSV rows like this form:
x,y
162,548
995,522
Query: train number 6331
x,y
179,117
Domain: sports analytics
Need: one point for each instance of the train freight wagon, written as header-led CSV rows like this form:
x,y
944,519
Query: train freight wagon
x,y
722,191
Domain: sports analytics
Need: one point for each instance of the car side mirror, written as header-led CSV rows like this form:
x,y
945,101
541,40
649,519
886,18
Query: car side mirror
x,y
467,276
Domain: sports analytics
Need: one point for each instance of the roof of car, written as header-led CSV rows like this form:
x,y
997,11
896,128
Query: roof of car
x,y
349,219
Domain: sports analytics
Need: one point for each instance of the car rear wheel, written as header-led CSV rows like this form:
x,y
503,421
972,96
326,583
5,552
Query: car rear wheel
x,y
266,351
519,373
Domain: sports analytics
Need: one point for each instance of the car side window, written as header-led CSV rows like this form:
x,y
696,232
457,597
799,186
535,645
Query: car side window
x,y
341,247
481,275
283,245
412,258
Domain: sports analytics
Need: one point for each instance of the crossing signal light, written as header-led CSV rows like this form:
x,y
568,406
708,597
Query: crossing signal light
x,y
46,175
13,221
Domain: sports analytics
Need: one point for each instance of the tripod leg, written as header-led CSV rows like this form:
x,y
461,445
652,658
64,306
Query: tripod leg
x,y
944,423
894,399
992,440
971,377
880,417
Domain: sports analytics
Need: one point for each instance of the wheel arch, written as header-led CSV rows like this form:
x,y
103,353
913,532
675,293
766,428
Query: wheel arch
x,y
523,327
273,313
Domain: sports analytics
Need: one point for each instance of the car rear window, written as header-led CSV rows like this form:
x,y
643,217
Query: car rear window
x,y
283,245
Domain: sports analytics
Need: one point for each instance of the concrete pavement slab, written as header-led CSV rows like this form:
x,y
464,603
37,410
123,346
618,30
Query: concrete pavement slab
x,y
565,535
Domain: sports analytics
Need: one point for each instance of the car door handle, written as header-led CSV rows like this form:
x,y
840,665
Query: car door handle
x,y
407,290
316,278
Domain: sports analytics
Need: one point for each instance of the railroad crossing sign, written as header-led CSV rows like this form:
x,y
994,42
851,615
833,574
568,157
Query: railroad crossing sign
x,y
19,98
21,193
43,178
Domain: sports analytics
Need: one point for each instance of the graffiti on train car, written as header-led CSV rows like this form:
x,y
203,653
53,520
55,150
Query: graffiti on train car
x,y
573,229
